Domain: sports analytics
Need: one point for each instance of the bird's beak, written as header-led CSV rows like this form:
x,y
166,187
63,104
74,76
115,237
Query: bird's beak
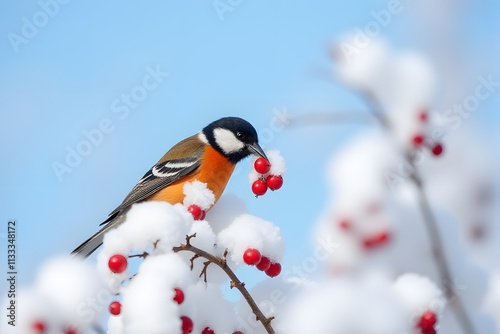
x,y
257,150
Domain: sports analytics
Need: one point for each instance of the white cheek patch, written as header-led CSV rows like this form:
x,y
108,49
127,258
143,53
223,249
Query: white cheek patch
x,y
202,137
227,141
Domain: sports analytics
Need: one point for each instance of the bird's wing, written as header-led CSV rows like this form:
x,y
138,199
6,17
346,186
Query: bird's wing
x,y
169,169
157,178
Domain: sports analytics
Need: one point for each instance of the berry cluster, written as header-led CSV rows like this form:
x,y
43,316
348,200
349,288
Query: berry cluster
x,y
427,323
197,212
186,322
39,327
118,264
266,180
436,148
253,257
198,199
419,139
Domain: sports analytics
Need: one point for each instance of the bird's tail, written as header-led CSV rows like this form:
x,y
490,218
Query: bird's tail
x,y
95,241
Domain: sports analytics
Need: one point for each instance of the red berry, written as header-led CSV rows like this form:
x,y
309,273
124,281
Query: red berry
x,y
117,263
368,242
251,256
274,270
196,212
437,150
382,238
376,240
262,166
39,327
70,330
274,182
187,325
179,296
345,225
429,331
115,308
427,320
207,330
264,264
423,116
259,187
238,332
418,140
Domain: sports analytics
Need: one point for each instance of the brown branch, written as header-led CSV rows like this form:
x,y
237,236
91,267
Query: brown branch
x,y
439,256
429,219
432,232
204,270
142,256
428,216
235,282
195,256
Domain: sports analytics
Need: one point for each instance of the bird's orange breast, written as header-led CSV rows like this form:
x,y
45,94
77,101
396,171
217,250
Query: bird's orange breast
x,y
215,170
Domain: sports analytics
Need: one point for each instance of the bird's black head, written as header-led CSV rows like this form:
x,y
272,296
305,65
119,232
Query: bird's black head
x,y
233,137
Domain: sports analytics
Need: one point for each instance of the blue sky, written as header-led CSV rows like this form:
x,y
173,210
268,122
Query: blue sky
x,y
263,56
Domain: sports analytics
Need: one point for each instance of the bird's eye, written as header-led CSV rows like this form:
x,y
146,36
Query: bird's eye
x,y
240,135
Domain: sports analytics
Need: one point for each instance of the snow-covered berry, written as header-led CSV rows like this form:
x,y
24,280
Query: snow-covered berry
x,y
423,116
196,212
264,264
427,321
376,240
418,140
274,182
71,330
437,149
262,166
39,327
187,325
115,308
117,263
207,330
273,270
259,187
344,225
179,296
251,256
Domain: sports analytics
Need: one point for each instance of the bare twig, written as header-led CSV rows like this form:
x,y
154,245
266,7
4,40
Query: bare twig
x,y
429,219
235,282
195,256
432,230
439,256
204,270
142,256
433,233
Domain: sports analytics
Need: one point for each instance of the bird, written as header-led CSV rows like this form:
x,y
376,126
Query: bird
x,y
208,156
